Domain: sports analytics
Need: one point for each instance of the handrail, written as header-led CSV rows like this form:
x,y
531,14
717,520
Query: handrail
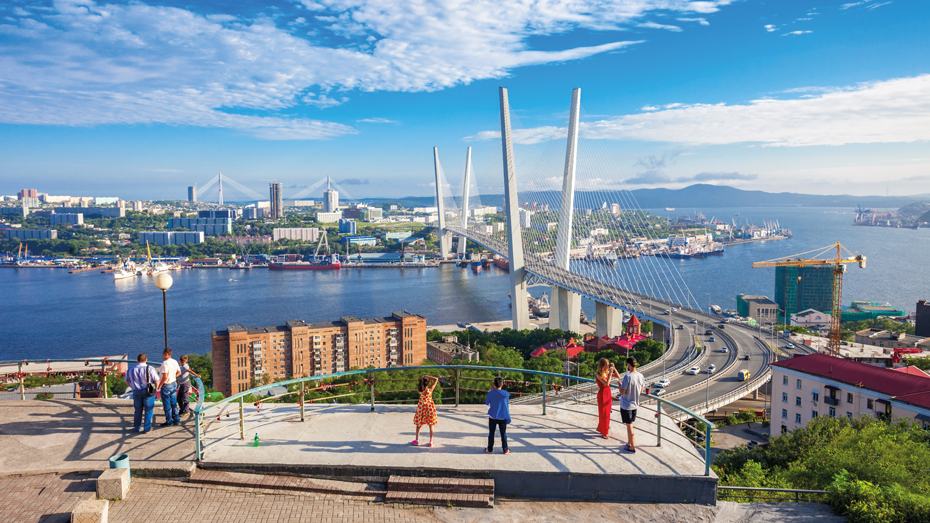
x,y
201,409
797,493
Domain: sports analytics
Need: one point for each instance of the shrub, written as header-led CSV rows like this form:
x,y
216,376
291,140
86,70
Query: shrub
x,y
864,502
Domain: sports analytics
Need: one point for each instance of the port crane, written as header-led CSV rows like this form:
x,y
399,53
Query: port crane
x,y
816,258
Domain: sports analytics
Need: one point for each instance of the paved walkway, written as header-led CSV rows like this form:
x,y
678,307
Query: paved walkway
x,y
45,498
68,435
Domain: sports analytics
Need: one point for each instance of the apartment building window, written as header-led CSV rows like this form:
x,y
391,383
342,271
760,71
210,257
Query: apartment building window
x,y
784,413
799,384
832,412
814,414
784,380
870,404
797,401
797,418
784,397
849,415
815,395
849,397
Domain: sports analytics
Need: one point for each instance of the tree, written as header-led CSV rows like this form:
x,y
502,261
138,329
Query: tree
x,y
202,365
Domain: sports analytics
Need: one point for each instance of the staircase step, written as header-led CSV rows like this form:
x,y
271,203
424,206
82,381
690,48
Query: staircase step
x,y
440,499
441,485
323,486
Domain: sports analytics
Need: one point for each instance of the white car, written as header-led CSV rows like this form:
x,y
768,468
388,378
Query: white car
x,y
667,311
694,370
663,383
657,392
693,320
711,368
674,309
725,349
789,345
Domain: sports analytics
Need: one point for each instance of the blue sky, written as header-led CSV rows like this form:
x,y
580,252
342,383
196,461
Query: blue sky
x,y
140,100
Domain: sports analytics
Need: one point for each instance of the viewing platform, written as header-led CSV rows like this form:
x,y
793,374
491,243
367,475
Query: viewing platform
x,y
555,456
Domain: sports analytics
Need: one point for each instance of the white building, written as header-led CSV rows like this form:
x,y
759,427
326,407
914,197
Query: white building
x,y
805,387
525,217
478,212
598,231
137,206
425,210
307,234
329,217
170,237
811,318
330,200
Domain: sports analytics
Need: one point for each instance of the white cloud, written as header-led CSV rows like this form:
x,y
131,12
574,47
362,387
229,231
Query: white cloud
x,y
892,111
87,63
874,6
653,25
797,33
701,21
375,120
771,28
803,19
850,5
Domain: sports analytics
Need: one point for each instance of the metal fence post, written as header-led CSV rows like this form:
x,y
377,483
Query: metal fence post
x,y
241,419
659,423
706,449
371,377
22,384
301,401
458,376
103,373
545,381
198,446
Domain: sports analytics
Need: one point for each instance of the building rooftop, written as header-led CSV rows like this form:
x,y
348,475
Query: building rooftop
x,y
761,300
341,322
901,386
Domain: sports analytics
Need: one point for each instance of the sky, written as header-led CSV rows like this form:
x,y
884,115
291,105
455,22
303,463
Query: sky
x,y
141,99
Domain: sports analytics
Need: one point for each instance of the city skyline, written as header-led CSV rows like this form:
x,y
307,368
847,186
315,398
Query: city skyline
x,y
144,100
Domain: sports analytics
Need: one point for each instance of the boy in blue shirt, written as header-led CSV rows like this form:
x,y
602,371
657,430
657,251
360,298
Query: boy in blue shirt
x,y
498,414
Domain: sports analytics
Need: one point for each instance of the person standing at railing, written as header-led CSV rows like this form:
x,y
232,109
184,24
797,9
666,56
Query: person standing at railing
x,y
184,387
498,414
630,388
426,408
138,378
168,385
605,373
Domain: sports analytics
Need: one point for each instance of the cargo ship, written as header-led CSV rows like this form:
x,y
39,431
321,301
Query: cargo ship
x,y
326,264
502,263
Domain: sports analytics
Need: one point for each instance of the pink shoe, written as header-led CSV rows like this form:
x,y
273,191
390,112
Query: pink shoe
x,y
414,442
430,444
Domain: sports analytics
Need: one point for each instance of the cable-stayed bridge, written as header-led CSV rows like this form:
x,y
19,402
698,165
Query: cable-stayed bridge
x,y
583,252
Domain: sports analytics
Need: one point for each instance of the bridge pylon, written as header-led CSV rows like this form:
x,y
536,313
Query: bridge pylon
x,y
462,239
564,305
445,238
518,303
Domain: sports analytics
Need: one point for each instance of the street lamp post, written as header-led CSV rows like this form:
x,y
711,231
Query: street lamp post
x,y
163,281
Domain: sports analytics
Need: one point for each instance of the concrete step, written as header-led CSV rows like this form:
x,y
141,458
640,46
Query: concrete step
x,y
441,485
293,483
440,499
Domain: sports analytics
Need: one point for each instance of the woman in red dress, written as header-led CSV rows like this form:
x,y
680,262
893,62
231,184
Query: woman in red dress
x,y
605,373
426,408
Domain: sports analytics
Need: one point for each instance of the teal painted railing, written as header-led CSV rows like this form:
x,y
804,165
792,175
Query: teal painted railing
x,y
699,436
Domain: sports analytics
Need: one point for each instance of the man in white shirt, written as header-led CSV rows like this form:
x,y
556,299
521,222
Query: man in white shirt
x,y
168,385
630,389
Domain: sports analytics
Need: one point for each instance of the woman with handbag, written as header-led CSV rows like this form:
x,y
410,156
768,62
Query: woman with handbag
x,y
142,379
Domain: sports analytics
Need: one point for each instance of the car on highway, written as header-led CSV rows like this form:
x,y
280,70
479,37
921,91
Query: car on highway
x,y
639,303
681,326
463,325
694,370
712,339
663,383
746,357
744,375
674,309
708,332
666,311
789,345
725,349
657,392
711,368
693,320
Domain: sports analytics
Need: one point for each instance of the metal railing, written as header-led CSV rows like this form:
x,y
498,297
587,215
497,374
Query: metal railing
x,y
727,492
210,418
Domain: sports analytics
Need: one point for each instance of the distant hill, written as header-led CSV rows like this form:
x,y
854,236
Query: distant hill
x,y
698,195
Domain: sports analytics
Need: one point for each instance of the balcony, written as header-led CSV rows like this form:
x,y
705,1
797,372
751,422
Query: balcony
x,y
831,401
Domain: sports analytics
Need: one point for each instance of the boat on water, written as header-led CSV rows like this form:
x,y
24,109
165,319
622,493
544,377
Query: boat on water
x,y
716,252
125,270
485,262
476,266
154,269
539,307
716,309
326,264
679,255
669,208
502,263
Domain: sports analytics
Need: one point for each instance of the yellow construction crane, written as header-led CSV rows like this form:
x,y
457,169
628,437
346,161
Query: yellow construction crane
x,y
838,261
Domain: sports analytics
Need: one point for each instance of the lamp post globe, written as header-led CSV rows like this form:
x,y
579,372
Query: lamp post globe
x,y
163,281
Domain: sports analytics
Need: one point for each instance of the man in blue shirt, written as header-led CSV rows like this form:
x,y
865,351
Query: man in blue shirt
x,y
498,414
138,379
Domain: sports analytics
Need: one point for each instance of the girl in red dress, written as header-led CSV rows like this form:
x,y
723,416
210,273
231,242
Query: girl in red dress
x,y
426,409
605,373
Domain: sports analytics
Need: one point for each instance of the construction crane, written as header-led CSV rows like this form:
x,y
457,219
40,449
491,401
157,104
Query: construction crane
x,y
838,261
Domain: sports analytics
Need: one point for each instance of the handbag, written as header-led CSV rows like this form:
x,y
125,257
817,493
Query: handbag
x,y
149,387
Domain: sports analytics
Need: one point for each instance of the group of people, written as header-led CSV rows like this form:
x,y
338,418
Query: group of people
x,y
171,381
631,386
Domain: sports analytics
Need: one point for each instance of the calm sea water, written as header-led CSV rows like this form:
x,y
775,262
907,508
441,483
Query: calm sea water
x,y
50,313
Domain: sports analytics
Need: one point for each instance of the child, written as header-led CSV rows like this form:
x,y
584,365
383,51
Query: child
x,y
426,409
184,387
498,414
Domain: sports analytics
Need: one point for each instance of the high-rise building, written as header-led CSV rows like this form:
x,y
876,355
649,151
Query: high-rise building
x,y
923,319
232,214
330,198
802,288
243,356
277,210
370,214
137,206
307,234
27,193
347,226
192,193
68,219
170,237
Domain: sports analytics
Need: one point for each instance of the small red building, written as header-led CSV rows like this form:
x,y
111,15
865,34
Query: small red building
x,y
572,348
622,344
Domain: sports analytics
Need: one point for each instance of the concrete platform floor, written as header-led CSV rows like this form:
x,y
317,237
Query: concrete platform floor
x,y
68,435
561,448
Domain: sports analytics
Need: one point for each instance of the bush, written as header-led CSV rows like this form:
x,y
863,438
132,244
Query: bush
x,y
864,502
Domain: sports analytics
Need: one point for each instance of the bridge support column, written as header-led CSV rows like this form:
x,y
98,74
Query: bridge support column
x,y
660,333
462,240
518,303
609,320
565,310
445,239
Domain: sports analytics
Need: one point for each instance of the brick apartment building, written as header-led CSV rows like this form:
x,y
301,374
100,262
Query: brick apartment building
x,y
298,349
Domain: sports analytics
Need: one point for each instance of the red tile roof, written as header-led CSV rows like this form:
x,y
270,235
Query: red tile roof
x,y
633,320
901,386
912,370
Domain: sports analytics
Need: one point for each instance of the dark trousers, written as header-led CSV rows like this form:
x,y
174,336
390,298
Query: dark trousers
x,y
144,406
494,424
184,402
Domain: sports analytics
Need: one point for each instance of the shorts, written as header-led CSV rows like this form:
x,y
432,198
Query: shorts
x,y
628,416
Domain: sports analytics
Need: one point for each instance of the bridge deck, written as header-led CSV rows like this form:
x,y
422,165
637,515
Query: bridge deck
x,y
555,456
